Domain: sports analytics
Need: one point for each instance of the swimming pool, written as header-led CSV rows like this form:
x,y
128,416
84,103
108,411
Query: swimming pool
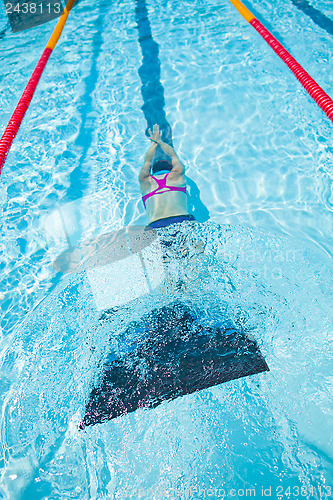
x,y
259,151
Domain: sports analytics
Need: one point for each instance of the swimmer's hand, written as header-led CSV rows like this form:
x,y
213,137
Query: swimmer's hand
x,y
155,135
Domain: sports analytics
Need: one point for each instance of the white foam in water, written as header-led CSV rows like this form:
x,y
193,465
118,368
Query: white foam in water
x,y
123,281
152,259
127,279
118,283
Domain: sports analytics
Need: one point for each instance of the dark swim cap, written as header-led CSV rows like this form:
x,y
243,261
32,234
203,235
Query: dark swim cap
x,y
162,165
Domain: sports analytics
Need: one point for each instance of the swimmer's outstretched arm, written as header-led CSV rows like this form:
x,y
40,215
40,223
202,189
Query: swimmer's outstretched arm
x,y
177,165
145,170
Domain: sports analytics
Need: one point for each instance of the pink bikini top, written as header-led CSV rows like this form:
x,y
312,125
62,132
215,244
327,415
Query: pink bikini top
x,y
161,184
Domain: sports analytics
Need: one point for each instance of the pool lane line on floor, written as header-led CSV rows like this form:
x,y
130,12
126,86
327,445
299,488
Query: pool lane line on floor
x,y
23,104
311,86
152,90
315,15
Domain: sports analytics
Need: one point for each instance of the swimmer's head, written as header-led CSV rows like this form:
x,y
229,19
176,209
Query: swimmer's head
x,y
161,165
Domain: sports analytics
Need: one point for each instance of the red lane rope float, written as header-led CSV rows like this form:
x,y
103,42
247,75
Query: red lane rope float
x,y
311,86
23,104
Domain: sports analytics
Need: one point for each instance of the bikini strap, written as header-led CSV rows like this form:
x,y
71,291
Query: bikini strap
x,y
161,183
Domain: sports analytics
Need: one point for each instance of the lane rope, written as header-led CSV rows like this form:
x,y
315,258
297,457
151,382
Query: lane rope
x,y
24,102
311,86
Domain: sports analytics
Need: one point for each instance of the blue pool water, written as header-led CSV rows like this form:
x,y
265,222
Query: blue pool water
x,y
259,151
